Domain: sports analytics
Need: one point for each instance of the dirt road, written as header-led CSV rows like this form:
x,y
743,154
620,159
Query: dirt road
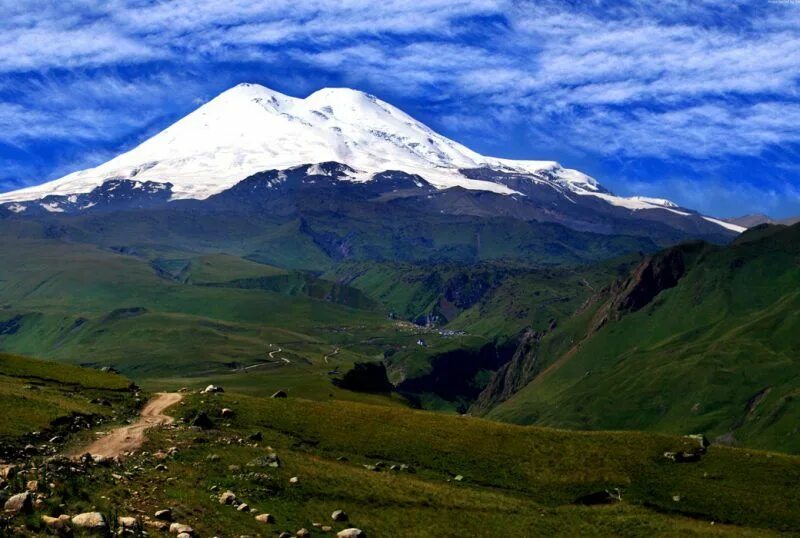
x,y
128,438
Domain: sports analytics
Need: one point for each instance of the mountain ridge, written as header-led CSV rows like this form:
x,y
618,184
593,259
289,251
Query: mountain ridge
x,y
250,129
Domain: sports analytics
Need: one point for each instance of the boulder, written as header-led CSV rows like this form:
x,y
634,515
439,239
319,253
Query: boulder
x,y
351,533
7,472
22,503
32,486
227,498
180,528
90,520
226,412
702,441
280,394
339,515
184,535
256,437
244,507
60,523
212,389
127,522
202,421
164,515
294,480
265,518
303,533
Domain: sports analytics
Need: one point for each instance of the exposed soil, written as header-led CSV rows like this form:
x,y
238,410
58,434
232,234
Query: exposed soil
x,y
129,438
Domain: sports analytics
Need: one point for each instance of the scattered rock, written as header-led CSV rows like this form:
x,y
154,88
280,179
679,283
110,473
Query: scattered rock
x,y
280,394
22,503
684,457
90,520
180,528
127,522
326,528
7,472
227,498
351,533
303,533
256,437
265,518
226,413
270,460
244,507
212,389
702,440
32,486
339,515
161,467
60,523
164,515
184,535
458,478
294,480
285,535
608,496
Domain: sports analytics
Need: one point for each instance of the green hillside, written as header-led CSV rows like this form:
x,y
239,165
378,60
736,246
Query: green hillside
x,y
716,353
37,396
397,472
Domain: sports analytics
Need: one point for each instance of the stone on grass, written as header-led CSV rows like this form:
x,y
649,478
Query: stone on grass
x,y
339,515
22,503
244,507
351,533
227,498
265,518
126,522
280,394
60,523
180,528
90,520
211,389
202,421
226,413
294,480
164,515
303,533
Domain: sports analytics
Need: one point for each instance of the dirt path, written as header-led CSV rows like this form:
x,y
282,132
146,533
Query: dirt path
x,y
128,438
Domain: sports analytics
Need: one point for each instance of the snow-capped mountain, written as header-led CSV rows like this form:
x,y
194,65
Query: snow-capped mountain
x,y
250,129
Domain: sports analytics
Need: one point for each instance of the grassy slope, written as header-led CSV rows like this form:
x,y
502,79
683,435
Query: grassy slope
x,y
34,393
696,359
517,480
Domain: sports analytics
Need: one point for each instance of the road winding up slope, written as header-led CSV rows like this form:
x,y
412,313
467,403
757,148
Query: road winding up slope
x,y
128,438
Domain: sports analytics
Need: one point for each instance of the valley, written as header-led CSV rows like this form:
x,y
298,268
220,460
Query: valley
x,y
281,308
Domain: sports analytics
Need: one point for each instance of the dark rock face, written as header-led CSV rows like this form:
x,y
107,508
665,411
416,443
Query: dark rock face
x,y
651,277
114,194
366,377
513,375
202,421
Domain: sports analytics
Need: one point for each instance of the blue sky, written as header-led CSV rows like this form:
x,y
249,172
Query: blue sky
x,y
694,101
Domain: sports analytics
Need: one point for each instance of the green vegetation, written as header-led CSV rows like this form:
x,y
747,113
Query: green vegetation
x,y
514,480
717,353
36,395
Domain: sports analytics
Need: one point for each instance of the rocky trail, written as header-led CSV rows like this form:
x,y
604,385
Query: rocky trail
x,y
128,438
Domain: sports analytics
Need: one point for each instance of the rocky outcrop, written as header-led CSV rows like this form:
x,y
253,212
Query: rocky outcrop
x,y
366,377
513,375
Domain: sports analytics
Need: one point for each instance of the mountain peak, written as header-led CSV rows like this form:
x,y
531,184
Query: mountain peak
x,y
250,128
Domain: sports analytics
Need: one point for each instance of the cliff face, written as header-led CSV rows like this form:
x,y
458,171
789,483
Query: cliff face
x,y
652,276
513,375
